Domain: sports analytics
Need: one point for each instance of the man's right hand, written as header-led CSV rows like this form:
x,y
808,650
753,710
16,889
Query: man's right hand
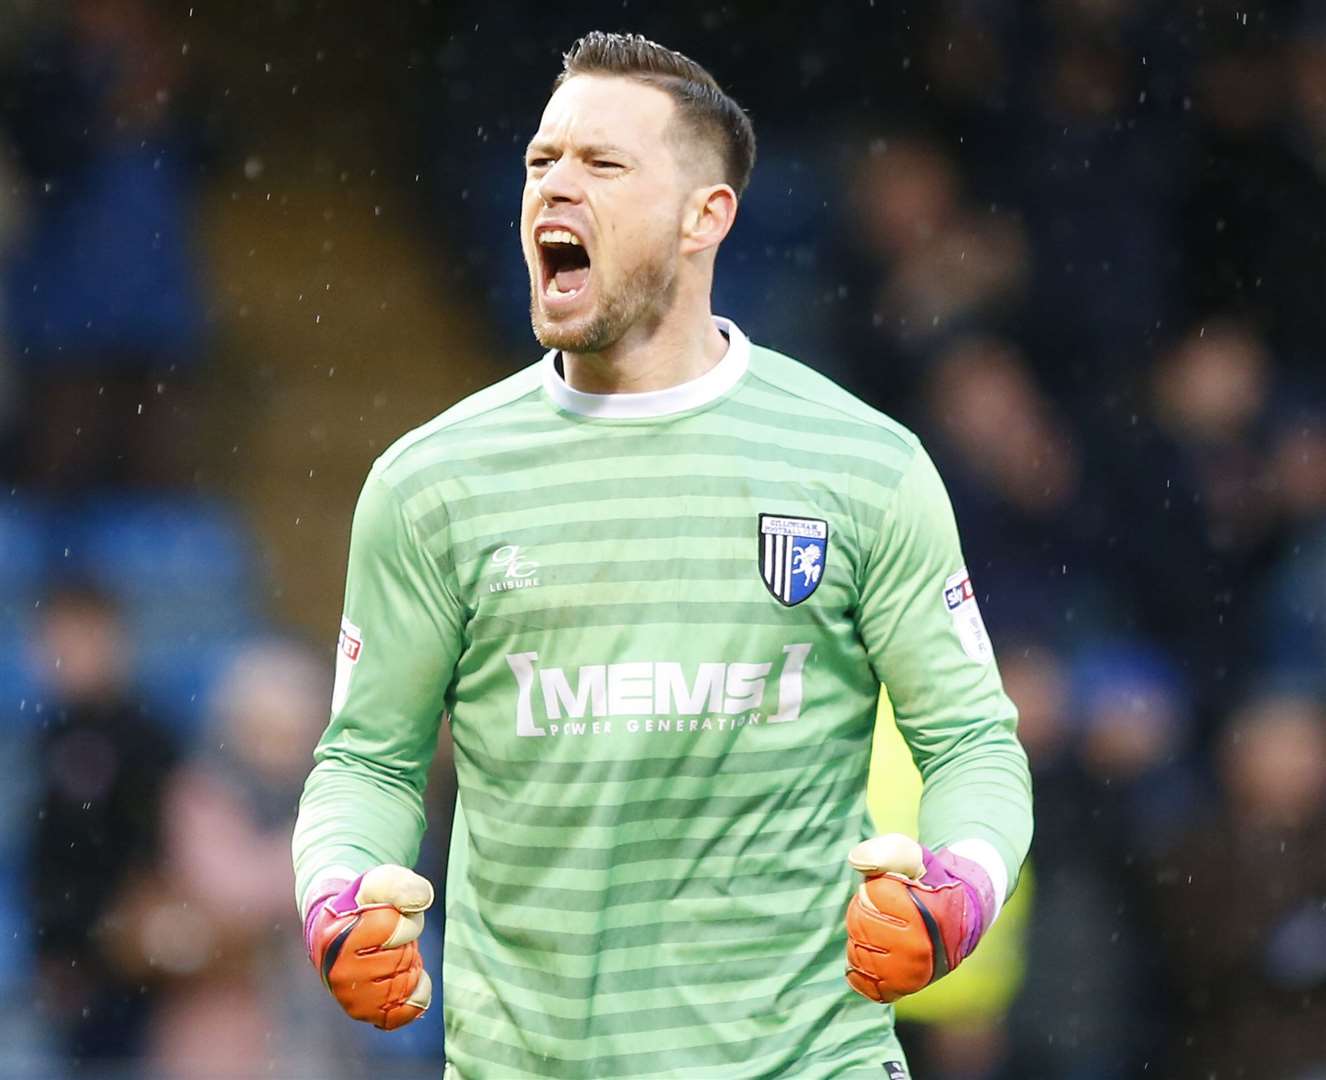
x,y
362,937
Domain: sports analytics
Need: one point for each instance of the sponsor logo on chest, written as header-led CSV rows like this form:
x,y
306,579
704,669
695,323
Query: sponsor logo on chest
x,y
518,570
653,696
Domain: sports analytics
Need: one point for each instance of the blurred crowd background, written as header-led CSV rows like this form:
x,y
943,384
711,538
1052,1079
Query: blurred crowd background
x,y
1078,245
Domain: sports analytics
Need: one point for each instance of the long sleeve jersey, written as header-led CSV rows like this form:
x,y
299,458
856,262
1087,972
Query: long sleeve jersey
x,y
657,624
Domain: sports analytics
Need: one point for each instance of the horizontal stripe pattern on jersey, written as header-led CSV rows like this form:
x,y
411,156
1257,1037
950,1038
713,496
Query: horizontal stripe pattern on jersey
x,y
661,758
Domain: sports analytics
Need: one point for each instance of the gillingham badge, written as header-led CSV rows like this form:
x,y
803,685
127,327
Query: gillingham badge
x,y
792,554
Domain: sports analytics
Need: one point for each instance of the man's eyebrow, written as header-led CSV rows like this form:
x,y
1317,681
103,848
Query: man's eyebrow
x,y
604,150
589,150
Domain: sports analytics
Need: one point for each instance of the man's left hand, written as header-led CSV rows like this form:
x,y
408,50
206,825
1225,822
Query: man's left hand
x,y
916,917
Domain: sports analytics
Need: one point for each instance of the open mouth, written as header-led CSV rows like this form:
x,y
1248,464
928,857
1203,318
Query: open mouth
x,y
565,263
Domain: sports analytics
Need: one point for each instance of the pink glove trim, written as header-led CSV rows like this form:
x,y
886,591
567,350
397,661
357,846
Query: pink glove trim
x,y
336,896
945,868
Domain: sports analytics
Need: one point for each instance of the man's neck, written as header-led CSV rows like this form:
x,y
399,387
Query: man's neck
x,y
666,354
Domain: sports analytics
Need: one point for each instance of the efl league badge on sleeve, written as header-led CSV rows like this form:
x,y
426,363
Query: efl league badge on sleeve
x,y
349,647
793,551
960,599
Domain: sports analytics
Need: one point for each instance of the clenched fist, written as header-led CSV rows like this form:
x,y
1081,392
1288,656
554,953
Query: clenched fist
x,y
362,938
916,917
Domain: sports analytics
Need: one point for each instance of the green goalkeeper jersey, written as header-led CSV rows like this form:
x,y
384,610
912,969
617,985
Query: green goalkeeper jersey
x,y
658,624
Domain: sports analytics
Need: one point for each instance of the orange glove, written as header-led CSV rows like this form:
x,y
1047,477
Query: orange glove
x,y
362,937
915,918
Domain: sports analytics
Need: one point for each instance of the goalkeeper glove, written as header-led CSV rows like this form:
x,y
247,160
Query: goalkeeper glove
x,y
916,917
361,936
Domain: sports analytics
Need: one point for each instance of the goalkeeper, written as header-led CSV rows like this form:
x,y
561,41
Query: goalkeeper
x,y
654,582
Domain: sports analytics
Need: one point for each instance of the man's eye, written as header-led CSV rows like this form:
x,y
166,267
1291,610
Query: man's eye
x,y
539,163
602,164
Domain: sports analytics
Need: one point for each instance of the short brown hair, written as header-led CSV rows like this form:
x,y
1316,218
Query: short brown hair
x,y
701,102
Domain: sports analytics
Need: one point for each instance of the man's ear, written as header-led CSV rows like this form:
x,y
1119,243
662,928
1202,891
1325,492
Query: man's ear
x,y
707,218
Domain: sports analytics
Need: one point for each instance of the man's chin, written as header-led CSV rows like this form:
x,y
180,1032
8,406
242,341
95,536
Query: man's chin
x,y
581,335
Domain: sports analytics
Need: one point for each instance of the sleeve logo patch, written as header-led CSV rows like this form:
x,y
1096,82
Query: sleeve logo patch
x,y
351,641
958,592
349,648
960,599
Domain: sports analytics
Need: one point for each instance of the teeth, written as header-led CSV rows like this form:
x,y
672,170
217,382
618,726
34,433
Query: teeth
x,y
558,236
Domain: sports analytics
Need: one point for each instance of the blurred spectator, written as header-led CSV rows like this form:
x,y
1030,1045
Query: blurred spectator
x,y
933,266
102,293
1252,236
1244,897
1298,465
1307,84
970,58
217,928
1090,1009
1019,485
1292,644
1294,637
1196,474
1097,188
1134,726
104,764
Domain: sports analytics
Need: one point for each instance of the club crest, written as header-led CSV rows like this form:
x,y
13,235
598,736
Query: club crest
x,y
792,554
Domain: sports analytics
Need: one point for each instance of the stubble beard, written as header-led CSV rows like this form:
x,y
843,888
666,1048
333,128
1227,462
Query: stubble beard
x,y
642,295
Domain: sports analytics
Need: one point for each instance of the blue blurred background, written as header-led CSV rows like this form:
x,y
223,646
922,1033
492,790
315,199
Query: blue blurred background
x,y
1078,245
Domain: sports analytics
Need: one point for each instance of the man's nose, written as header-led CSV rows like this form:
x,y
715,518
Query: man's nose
x,y
559,184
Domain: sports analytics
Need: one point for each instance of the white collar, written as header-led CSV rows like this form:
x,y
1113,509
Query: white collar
x,y
710,386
